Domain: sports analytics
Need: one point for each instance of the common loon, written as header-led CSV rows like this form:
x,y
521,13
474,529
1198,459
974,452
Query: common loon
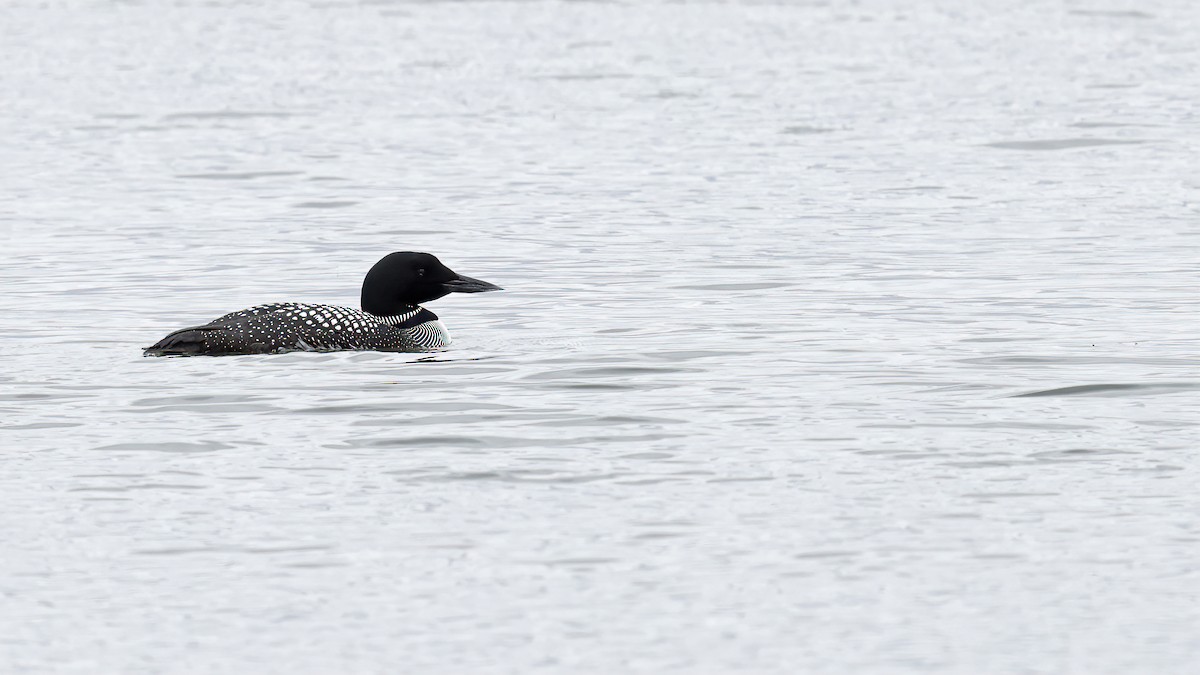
x,y
391,320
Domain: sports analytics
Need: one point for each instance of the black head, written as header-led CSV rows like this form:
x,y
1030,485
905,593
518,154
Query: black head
x,y
404,279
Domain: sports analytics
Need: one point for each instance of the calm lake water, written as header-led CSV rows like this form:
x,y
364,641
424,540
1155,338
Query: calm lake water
x,y
839,337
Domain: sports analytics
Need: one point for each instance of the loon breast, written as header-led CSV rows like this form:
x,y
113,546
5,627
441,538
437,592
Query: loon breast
x,y
284,327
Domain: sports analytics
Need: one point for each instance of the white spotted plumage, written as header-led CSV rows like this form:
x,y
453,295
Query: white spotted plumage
x,y
290,326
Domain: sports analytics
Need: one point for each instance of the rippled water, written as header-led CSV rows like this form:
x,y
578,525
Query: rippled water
x,y
839,337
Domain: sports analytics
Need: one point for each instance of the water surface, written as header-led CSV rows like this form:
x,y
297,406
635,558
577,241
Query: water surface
x,y
840,337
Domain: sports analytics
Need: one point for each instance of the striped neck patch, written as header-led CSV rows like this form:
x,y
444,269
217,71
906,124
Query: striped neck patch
x,y
413,317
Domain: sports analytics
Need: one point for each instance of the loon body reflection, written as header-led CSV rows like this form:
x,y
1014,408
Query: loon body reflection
x,y
391,318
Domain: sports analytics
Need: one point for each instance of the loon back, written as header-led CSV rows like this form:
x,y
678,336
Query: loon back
x,y
286,327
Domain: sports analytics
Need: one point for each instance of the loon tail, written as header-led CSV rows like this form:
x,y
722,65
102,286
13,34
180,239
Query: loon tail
x,y
183,342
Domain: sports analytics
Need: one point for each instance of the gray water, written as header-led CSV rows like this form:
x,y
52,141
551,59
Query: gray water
x,y
840,337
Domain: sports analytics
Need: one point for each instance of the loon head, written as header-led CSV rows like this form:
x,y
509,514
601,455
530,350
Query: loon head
x,y
404,279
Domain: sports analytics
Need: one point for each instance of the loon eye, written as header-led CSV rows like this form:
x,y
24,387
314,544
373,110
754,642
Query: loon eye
x,y
420,271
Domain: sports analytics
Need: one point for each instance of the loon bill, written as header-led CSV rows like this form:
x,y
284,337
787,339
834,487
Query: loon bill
x,y
391,319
